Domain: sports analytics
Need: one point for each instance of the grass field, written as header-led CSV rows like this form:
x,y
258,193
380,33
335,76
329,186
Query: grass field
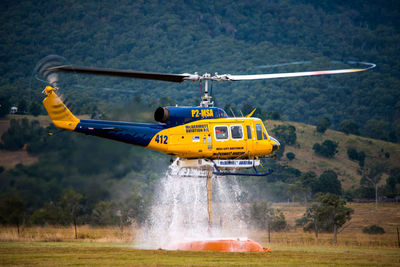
x,y
122,254
108,246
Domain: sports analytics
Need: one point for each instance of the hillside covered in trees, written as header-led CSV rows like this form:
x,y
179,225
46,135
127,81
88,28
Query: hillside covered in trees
x,y
244,37
238,38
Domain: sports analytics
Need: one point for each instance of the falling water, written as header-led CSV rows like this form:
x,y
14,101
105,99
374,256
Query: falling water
x,y
179,210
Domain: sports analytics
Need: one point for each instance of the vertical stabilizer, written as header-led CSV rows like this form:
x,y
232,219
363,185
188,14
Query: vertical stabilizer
x,y
61,116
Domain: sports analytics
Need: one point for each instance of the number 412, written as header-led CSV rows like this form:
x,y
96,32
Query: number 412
x,y
161,139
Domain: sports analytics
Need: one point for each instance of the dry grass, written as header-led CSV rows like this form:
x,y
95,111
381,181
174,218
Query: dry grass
x,y
9,159
387,216
107,246
365,214
60,233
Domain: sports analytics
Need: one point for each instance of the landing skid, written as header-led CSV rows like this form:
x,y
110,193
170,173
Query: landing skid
x,y
220,167
223,173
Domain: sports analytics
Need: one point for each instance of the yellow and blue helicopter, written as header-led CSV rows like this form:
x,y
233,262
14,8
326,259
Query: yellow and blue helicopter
x,y
202,136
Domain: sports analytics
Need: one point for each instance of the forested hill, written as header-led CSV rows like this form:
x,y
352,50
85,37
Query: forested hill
x,y
237,37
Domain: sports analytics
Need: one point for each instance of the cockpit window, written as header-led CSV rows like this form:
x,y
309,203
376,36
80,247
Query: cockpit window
x,y
264,135
221,132
259,132
236,132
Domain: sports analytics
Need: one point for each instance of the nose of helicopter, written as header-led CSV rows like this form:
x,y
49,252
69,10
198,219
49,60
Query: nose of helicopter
x,y
275,144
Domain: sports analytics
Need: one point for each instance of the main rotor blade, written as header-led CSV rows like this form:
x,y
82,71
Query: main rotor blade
x,y
178,78
295,74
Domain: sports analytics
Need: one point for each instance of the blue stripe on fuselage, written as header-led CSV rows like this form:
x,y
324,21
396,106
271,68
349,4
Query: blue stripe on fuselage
x,y
132,133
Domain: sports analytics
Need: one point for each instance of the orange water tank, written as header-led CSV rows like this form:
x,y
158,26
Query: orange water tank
x,y
231,245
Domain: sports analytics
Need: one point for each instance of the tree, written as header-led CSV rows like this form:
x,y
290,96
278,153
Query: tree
x,y
373,230
309,180
354,155
131,209
311,220
329,213
22,106
290,155
4,106
105,213
349,127
247,107
326,149
391,183
286,134
328,182
299,191
334,211
35,109
12,211
20,133
266,217
71,205
377,129
371,176
50,213
323,124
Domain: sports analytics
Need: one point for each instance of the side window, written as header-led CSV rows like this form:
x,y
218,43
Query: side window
x,y
264,136
248,128
221,132
236,131
259,132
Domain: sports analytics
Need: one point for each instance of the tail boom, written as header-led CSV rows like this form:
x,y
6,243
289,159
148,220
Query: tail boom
x,y
132,133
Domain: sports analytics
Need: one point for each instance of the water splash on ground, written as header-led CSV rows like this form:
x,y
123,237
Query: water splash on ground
x,y
179,210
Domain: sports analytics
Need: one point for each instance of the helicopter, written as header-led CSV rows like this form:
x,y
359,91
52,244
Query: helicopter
x,y
203,136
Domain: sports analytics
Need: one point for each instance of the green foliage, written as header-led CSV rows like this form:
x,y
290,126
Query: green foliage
x,y
377,129
373,230
166,38
328,182
290,155
4,106
326,149
35,109
392,181
12,211
22,106
20,133
265,217
372,174
105,213
49,214
349,127
354,155
329,213
286,134
323,124
273,115
71,206
309,179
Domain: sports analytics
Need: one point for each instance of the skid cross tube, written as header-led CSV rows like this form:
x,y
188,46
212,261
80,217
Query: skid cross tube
x,y
221,173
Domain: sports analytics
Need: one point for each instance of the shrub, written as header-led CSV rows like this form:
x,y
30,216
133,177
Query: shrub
x,y
290,155
323,125
286,134
349,127
326,149
373,230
